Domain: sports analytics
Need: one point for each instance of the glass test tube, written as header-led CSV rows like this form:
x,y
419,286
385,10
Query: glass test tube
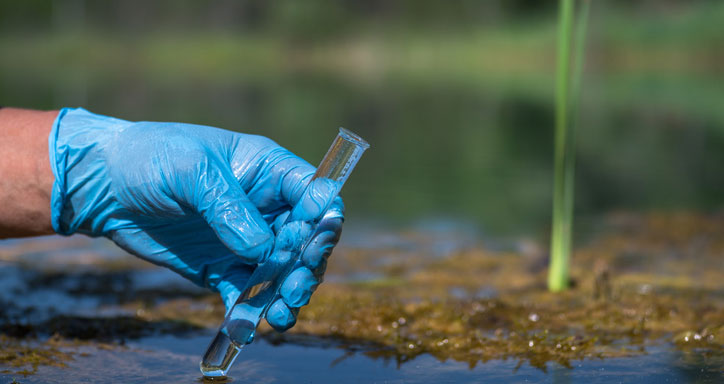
x,y
263,285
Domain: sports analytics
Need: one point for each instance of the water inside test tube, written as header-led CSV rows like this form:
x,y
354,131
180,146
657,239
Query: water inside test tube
x,y
219,356
240,323
223,350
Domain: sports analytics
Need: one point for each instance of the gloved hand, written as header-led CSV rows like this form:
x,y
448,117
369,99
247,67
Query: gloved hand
x,y
202,201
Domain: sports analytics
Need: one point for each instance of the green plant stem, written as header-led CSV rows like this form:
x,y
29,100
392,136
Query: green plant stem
x,y
567,94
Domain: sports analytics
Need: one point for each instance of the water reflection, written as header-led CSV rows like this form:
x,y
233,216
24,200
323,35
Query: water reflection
x,y
169,359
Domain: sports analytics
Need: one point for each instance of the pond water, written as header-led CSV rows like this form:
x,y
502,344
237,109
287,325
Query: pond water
x,y
172,359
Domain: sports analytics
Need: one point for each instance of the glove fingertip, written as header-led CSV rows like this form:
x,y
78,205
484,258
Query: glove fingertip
x,y
337,207
297,288
259,252
280,317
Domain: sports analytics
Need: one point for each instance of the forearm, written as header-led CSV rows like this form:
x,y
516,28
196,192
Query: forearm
x,y
26,179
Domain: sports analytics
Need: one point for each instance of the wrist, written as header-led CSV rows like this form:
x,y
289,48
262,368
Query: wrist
x,y
25,174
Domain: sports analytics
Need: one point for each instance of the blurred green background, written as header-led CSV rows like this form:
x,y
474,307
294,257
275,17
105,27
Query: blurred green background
x,y
456,97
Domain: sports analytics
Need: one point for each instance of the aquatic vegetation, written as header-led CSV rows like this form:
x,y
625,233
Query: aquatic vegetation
x,y
568,85
23,357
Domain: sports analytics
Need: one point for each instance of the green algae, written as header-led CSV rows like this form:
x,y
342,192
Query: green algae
x,y
23,357
671,293
536,328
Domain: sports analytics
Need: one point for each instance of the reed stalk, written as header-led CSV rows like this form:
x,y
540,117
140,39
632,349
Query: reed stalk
x,y
568,88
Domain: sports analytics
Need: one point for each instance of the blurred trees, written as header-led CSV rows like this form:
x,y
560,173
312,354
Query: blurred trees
x,y
312,19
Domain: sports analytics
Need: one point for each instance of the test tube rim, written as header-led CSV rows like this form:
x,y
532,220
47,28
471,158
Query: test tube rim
x,y
353,138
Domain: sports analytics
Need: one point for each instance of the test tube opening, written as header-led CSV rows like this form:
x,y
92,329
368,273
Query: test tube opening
x,y
342,156
353,137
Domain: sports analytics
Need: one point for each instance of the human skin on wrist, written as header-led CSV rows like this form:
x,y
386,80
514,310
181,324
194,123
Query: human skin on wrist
x,y
26,178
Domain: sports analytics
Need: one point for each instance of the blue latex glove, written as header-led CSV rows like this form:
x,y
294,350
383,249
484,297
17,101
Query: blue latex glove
x,y
205,202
